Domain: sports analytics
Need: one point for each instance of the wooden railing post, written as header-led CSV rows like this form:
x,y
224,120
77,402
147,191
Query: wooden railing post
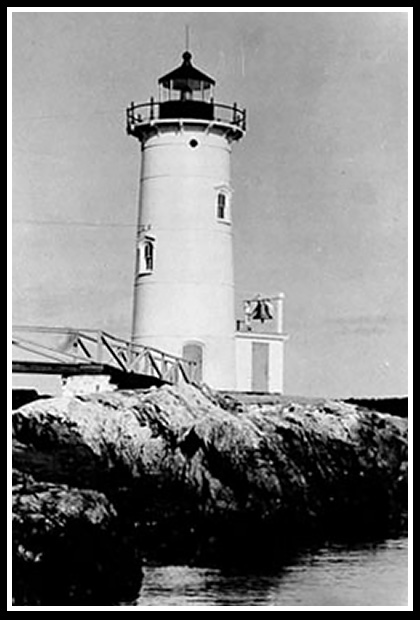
x,y
99,347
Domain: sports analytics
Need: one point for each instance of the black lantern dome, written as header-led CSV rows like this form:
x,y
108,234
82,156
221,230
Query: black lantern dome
x,y
186,77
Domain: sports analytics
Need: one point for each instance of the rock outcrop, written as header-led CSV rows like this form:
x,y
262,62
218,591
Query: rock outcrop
x,y
69,547
203,477
187,453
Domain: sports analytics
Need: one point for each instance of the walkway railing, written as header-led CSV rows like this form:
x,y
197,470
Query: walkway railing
x,y
68,345
139,113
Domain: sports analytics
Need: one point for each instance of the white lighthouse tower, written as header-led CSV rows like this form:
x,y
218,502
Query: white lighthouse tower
x,y
184,287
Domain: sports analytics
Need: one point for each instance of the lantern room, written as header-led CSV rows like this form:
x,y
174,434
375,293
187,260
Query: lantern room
x,y
186,92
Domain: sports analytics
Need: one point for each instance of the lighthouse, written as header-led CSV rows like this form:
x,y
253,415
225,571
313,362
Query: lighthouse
x,y
183,281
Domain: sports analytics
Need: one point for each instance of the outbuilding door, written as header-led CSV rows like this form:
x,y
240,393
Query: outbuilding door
x,y
260,366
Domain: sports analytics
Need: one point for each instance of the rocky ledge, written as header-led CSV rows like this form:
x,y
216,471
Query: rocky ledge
x,y
193,476
69,547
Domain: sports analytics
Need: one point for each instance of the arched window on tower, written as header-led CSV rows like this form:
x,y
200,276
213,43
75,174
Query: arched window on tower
x,y
145,256
148,255
221,205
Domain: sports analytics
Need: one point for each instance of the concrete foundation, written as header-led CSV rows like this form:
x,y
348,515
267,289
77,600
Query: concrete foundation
x,y
87,384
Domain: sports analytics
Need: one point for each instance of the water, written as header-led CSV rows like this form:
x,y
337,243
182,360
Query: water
x,y
373,574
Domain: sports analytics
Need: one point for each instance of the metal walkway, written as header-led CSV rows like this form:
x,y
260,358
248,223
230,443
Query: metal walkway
x,y
68,351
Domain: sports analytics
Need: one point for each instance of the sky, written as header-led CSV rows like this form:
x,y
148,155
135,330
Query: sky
x,y
320,181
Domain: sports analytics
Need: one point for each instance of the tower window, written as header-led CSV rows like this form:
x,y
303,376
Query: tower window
x,y
221,206
145,256
148,255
